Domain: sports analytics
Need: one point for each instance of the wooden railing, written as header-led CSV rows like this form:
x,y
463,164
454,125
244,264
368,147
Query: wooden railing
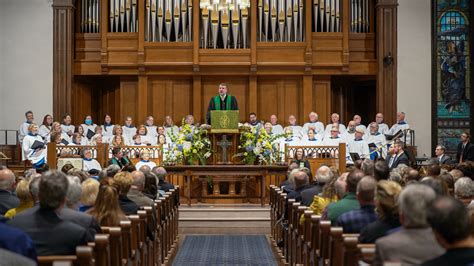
x,y
314,241
332,156
102,153
129,244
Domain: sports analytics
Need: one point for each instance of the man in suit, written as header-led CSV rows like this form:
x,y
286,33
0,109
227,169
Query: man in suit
x,y
465,151
415,242
8,199
161,173
397,155
451,225
51,235
441,157
323,175
223,101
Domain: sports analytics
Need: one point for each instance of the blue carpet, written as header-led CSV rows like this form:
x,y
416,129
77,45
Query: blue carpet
x,y
225,250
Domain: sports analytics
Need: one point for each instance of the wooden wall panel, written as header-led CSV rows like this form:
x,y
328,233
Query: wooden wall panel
x,y
322,98
128,99
81,103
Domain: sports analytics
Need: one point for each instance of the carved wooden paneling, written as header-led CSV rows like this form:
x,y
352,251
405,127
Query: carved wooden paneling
x,y
82,103
322,98
128,99
237,86
168,53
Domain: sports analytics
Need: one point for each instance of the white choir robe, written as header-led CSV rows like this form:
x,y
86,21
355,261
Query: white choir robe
x,y
298,131
379,140
128,133
311,142
335,142
383,128
171,130
318,127
364,128
107,130
327,131
142,163
147,139
23,131
63,136
151,131
87,128
44,131
360,147
34,156
277,129
67,128
107,139
348,137
400,126
293,141
90,164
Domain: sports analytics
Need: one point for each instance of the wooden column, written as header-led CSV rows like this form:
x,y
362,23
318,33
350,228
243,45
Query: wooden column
x,y
345,34
253,36
196,36
63,54
387,58
104,29
307,95
197,100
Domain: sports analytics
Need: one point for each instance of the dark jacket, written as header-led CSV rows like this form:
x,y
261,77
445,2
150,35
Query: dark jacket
x,y
467,152
377,229
121,163
401,159
307,195
50,234
85,220
128,207
8,200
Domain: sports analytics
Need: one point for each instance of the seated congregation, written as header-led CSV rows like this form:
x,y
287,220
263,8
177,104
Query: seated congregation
x,y
117,218
372,214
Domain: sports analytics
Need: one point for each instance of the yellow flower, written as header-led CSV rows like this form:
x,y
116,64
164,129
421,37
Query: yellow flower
x,y
194,151
245,154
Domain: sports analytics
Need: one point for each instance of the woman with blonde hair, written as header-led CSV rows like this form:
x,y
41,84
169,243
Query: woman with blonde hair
x,y
386,206
118,141
26,200
106,209
90,189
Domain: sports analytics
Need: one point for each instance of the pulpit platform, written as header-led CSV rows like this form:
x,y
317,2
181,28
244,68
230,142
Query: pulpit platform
x,y
231,184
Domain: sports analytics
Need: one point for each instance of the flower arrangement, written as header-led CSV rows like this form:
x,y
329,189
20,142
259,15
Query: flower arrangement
x,y
190,145
257,146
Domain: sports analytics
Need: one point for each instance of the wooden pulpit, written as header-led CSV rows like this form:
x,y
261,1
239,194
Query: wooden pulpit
x,y
224,135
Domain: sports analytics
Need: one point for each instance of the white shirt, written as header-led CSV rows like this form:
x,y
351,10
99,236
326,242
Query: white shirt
x,y
318,127
23,131
91,164
44,131
277,129
360,147
107,130
34,156
142,163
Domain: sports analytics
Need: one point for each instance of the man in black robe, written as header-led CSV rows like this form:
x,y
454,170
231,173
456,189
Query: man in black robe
x,y
223,101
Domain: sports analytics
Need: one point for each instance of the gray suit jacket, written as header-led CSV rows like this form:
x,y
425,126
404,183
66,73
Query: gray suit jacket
x,y
408,246
85,220
12,259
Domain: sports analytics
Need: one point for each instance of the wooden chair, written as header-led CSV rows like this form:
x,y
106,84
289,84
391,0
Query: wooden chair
x,y
84,256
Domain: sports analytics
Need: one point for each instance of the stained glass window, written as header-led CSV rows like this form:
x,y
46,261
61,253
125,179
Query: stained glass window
x,y
452,62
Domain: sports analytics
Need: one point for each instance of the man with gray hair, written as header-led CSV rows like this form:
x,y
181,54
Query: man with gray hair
x,y
323,175
70,211
301,183
136,191
464,189
415,242
161,173
8,199
51,235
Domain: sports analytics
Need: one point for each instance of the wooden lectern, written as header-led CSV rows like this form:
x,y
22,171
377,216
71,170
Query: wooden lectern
x,y
224,135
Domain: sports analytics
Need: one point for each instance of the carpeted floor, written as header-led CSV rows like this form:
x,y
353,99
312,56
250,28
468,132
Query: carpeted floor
x,y
225,250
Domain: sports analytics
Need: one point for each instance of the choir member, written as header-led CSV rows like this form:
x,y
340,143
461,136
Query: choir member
x,y
118,141
57,129
276,128
297,130
376,140
89,127
335,119
145,160
137,141
129,130
383,128
89,163
400,125
107,127
145,139
170,128
96,140
66,126
333,138
34,147
150,127
268,128
314,123
358,144
358,122
253,120
349,134
24,127
81,131
77,140
312,139
45,127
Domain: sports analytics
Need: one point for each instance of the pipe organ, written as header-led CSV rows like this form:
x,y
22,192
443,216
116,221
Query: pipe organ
x,y
327,15
360,16
123,15
224,24
90,16
168,20
281,20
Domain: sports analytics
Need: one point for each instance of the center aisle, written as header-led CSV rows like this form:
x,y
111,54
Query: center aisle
x,y
225,250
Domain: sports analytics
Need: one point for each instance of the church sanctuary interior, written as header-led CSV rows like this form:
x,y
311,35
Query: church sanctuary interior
x,y
236,132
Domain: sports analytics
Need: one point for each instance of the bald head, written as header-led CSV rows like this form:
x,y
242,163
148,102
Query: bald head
x,y
301,178
138,180
366,190
7,179
160,172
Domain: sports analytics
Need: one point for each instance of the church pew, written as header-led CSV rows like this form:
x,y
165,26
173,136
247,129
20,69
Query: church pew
x,y
102,250
167,226
307,237
83,257
128,253
294,233
299,234
289,232
351,252
116,253
335,246
280,231
151,224
315,239
163,245
325,228
159,230
135,239
272,195
143,237
367,252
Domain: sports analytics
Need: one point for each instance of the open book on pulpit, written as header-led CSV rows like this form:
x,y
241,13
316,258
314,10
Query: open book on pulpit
x,y
225,121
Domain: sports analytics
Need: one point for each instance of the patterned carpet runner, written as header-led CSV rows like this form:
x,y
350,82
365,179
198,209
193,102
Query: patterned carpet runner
x,y
225,250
